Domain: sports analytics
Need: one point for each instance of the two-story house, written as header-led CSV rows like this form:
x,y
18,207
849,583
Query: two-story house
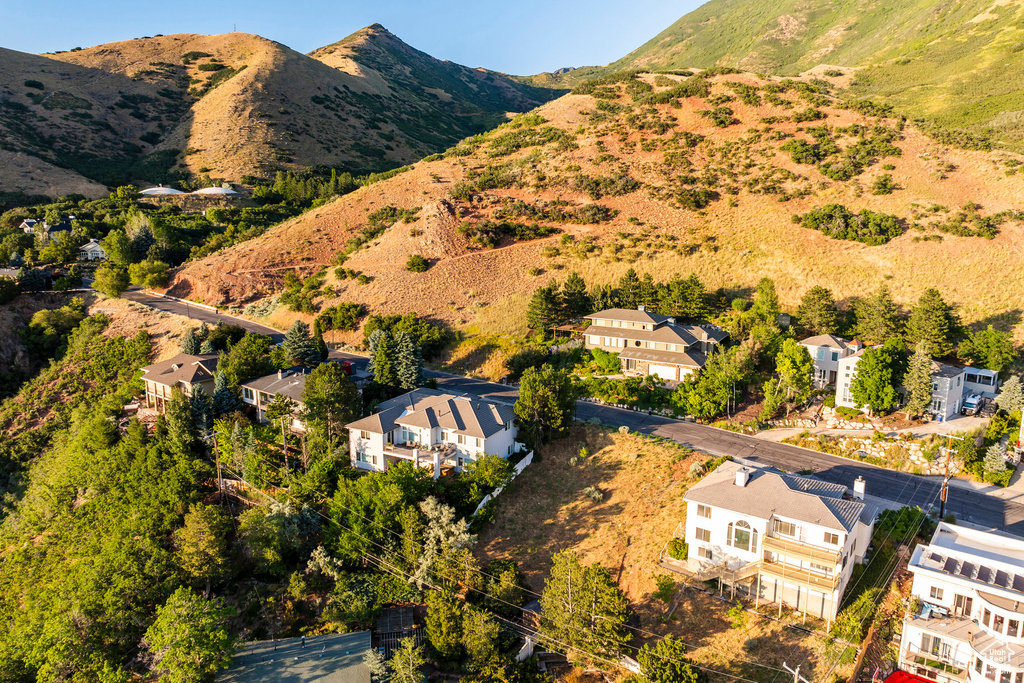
x,y
652,344
184,371
778,537
43,230
431,429
260,392
826,350
967,625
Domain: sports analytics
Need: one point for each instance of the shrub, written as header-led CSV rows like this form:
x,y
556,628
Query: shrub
x,y
846,411
838,222
34,84
417,264
606,361
211,66
830,401
593,493
678,549
697,470
666,587
884,184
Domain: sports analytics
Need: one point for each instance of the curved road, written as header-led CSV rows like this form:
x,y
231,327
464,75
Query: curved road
x,y
907,489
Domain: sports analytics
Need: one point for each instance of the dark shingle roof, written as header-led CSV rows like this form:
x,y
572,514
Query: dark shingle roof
x,y
688,359
290,383
628,315
769,493
428,408
182,368
330,658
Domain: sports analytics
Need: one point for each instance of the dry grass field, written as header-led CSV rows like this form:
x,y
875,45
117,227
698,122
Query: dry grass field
x,y
643,483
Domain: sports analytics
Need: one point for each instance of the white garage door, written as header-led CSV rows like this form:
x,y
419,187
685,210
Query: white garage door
x,y
663,371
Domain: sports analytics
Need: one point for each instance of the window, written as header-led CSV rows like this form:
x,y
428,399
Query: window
x,y
247,393
264,398
703,535
1013,628
985,617
704,511
1019,677
462,439
962,606
785,528
990,672
835,356
935,593
479,442
997,623
364,435
831,539
704,553
743,538
821,352
1004,677
977,665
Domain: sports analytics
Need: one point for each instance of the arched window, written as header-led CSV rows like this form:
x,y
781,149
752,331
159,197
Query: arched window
x,y
741,537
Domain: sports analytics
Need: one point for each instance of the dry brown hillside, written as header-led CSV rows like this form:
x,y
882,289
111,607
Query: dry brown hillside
x,y
625,168
156,109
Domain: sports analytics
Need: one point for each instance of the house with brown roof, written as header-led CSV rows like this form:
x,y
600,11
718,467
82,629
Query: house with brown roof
x,y
778,537
652,344
432,429
184,371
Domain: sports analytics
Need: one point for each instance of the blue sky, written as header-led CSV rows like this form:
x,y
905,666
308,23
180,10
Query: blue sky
x,y
519,37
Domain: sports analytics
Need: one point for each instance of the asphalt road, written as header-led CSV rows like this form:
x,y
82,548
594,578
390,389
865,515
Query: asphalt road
x,y
907,489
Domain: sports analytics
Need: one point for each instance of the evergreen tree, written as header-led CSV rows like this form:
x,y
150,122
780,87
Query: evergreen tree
x,y
918,381
202,545
629,290
873,385
934,322
666,662
878,317
603,297
280,411
583,607
647,292
201,405
995,459
766,306
181,430
575,301
480,636
224,400
384,370
203,333
1011,395
330,398
300,347
206,348
546,404
695,300
372,342
817,313
189,342
543,311
408,362
318,340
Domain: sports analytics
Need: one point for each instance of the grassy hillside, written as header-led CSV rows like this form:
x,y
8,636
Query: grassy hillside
x,y
953,63
188,106
652,173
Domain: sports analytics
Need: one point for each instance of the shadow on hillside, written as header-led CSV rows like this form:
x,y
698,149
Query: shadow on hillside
x,y
1004,322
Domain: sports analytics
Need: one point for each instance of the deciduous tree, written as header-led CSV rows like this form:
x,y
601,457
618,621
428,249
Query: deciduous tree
x,y
190,638
330,398
110,280
202,545
874,384
546,404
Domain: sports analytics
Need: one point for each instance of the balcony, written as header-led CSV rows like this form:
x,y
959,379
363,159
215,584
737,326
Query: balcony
x,y
801,551
803,577
944,666
420,453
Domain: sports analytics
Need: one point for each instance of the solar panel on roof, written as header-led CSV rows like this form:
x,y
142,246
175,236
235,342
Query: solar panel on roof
x,y
967,570
1018,583
984,574
1002,578
950,566
935,558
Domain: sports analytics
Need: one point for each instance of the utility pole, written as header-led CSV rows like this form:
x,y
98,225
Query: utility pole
x,y
945,479
797,678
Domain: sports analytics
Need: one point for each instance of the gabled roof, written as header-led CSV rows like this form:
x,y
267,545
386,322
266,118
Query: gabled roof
x,y
665,334
829,340
182,368
628,315
290,383
710,333
427,408
687,359
771,493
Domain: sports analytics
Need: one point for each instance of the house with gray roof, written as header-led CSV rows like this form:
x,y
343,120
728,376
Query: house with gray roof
x,y
184,372
260,392
826,350
778,537
432,429
652,344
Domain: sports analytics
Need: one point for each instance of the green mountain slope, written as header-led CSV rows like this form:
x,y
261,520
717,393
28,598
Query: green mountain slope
x,y
956,63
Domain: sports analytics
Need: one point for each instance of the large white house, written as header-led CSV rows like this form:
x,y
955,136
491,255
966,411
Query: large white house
x,y
951,384
968,621
778,537
92,251
432,429
826,350
652,344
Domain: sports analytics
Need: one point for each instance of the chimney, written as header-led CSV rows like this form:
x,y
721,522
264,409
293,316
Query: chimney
x,y
280,374
642,307
858,488
742,476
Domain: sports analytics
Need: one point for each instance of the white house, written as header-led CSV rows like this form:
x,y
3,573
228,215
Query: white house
x,y
43,230
968,621
826,350
430,428
290,383
652,344
778,537
950,385
92,251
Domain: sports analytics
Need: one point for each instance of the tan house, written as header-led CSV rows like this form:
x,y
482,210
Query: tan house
x,y
184,372
652,344
290,383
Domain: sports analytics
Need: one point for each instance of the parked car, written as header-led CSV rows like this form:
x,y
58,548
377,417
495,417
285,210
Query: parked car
x,y
972,405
